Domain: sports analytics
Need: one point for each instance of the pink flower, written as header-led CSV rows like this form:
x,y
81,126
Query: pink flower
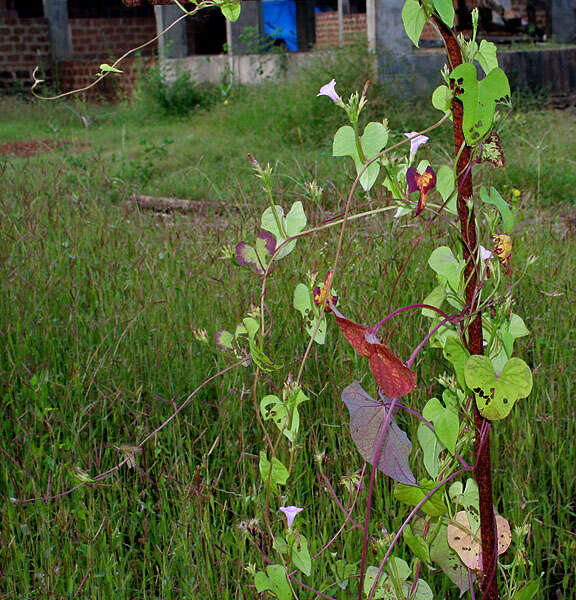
x,y
416,141
330,90
290,512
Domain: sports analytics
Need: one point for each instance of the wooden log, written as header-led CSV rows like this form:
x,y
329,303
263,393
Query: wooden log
x,y
168,205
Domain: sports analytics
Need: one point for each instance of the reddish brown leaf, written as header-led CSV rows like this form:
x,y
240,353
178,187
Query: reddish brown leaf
x,y
393,377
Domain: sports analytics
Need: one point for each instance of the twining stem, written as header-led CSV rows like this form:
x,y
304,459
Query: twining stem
x,y
370,490
482,470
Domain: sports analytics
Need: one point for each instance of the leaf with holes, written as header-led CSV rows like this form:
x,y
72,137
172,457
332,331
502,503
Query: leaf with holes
x,y
311,313
479,98
467,543
495,393
367,418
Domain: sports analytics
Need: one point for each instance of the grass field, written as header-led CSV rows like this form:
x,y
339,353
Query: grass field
x,y
97,348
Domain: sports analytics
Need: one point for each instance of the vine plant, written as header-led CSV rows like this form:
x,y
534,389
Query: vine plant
x,y
451,525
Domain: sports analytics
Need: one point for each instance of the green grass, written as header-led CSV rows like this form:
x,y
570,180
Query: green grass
x,y
97,347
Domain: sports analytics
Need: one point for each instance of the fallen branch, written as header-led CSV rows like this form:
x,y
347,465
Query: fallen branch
x,y
167,205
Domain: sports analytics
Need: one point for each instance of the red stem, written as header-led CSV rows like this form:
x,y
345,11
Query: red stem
x,y
482,470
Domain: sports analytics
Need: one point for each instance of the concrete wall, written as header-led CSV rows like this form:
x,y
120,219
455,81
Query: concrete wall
x,y
540,69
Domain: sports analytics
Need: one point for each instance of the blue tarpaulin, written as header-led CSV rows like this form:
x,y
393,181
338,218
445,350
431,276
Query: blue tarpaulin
x,y
280,21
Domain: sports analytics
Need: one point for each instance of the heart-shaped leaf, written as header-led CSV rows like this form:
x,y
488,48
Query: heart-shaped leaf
x,y
468,496
367,418
445,8
458,355
417,544
275,581
446,265
372,141
414,19
486,56
300,553
495,393
445,420
283,227
479,99
431,449
276,471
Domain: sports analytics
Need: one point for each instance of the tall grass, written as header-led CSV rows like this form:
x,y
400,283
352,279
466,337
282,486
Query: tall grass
x,y
97,347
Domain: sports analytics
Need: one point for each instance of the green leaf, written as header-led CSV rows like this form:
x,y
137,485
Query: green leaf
x,y
275,581
431,448
457,354
516,327
479,99
445,9
372,141
300,553
231,11
414,19
422,591
310,312
497,394
412,495
104,68
384,589
291,224
446,184
280,545
529,591
466,497
442,99
493,197
486,56
279,474
445,420
442,555
447,265
417,545
435,298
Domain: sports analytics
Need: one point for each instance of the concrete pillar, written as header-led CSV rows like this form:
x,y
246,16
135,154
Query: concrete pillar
x,y
174,43
371,24
56,11
390,36
247,33
562,20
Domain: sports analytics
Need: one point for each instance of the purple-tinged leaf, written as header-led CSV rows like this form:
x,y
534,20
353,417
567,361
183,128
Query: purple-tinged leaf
x,y
224,340
256,257
367,418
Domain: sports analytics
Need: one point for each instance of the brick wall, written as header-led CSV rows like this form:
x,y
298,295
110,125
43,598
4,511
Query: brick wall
x,y
24,44
75,74
327,28
101,39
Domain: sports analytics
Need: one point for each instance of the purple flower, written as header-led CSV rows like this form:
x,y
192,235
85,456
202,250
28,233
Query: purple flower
x,y
290,512
416,141
485,254
330,90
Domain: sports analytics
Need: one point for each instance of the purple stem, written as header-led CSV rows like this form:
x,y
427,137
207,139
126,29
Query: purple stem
x,y
407,520
337,500
307,587
370,490
425,340
348,518
407,307
471,585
